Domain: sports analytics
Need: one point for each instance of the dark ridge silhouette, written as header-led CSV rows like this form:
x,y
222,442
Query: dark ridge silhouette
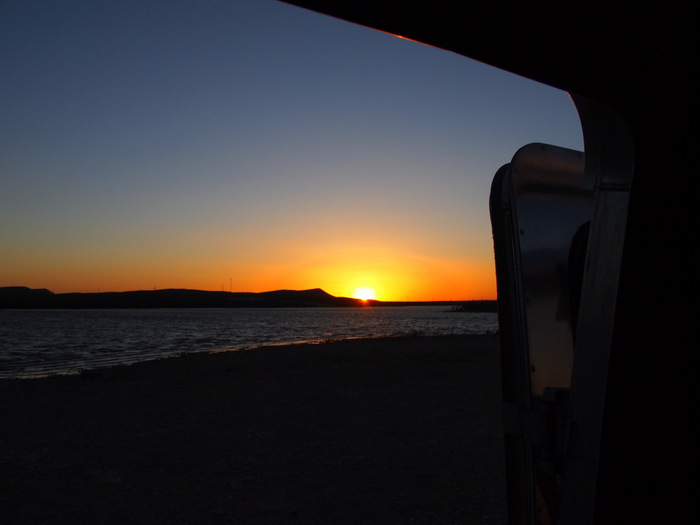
x,y
23,291
23,297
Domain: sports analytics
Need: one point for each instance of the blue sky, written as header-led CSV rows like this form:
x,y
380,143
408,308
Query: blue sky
x,y
198,144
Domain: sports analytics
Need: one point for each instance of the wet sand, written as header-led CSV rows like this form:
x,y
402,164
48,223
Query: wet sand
x,y
400,430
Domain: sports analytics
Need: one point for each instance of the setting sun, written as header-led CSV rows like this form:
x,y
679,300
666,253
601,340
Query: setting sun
x,y
364,294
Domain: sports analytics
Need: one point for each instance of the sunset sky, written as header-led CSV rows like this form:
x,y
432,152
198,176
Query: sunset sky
x,y
250,145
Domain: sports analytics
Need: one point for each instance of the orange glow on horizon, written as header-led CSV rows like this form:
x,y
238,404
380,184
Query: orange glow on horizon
x,y
395,269
388,280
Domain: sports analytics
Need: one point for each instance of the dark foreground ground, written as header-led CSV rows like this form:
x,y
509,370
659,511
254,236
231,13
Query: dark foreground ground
x,y
387,431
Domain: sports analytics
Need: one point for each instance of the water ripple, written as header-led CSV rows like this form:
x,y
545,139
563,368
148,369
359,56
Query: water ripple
x,y
41,342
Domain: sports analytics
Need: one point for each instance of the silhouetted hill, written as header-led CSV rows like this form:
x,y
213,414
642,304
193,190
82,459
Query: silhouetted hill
x,y
23,297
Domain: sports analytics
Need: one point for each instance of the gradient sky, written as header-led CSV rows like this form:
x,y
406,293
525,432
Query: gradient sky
x,y
250,145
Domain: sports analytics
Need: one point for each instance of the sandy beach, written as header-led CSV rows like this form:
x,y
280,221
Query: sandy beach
x,y
398,431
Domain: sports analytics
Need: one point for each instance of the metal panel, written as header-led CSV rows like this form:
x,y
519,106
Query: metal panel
x,y
539,207
550,207
609,167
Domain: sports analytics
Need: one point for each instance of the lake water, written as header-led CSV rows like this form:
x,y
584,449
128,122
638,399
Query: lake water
x,y
40,342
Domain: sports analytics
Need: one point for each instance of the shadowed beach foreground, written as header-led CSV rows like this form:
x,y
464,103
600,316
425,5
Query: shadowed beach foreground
x,y
400,430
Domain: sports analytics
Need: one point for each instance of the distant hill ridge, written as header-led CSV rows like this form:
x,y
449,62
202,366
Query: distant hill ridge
x,y
24,297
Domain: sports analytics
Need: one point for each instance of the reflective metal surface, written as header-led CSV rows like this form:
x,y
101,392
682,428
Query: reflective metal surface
x,y
541,210
549,207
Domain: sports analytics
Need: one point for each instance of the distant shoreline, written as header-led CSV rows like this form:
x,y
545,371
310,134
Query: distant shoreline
x,y
21,297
